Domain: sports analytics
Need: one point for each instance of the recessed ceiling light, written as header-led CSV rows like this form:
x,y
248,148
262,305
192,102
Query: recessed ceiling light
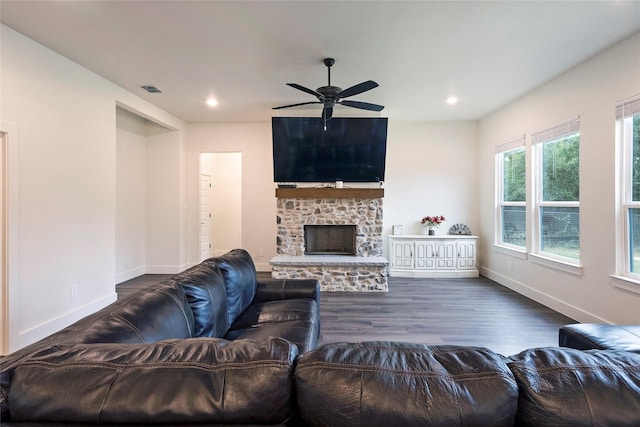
x,y
212,102
452,100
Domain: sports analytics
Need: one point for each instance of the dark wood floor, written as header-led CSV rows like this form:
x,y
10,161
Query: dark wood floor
x,y
477,312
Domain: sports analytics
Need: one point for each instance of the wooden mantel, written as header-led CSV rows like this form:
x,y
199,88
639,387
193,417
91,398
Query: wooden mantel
x,y
330,193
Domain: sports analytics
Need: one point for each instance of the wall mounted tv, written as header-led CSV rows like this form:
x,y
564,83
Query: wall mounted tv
x,y
349,150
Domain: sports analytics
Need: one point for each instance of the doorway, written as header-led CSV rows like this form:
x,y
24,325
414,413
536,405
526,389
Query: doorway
x,y
4,291
225,201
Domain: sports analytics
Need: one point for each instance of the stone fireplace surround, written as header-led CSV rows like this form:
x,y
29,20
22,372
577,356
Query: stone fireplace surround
x,y
296,207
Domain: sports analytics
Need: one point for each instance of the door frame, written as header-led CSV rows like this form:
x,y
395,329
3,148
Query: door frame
x,y
201,240
9,286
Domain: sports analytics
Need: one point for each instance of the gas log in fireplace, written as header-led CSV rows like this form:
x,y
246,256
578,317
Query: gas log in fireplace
x,y
330,239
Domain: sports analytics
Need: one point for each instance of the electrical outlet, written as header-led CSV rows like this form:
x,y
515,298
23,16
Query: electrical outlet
x,y
261,252
74,291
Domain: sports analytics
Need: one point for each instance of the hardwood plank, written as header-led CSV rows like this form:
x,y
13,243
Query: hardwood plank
x,y
474,312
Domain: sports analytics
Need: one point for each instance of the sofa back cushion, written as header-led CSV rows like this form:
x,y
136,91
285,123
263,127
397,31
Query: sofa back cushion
x,y
398,384
240,282
560,386
200,380
148,316
205,291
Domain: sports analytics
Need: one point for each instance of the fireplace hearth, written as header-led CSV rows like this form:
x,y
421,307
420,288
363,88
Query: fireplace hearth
x,y
330,239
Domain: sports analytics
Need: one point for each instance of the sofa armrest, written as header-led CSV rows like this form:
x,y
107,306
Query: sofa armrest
x,y
281,289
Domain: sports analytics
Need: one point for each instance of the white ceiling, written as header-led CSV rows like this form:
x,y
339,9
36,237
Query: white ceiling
x,y
243,52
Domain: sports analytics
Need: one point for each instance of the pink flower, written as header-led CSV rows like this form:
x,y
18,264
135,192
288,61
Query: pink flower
x,y
432,221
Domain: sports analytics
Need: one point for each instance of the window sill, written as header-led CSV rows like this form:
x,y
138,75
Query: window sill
x,y
625,283
511,251
557,264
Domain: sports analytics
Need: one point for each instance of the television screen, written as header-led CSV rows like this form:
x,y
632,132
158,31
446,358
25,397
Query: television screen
x,y
350,149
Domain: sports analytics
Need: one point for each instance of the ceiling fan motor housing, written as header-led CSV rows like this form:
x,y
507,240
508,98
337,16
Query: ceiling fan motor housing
x,y
329,92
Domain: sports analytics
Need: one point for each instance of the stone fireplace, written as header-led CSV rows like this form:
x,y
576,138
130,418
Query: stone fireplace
x,y
333,235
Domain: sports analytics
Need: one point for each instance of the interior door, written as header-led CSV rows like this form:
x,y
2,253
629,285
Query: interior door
x,y
205,216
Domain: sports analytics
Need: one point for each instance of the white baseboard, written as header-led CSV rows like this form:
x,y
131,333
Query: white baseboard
x,y
129,274
47,328
163,269
263,266
547,300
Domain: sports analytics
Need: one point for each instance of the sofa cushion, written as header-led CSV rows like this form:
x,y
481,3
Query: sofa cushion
x,y
591,336
399,384
304,334
278,311
205,291
202,380
239,274
567,387
148,316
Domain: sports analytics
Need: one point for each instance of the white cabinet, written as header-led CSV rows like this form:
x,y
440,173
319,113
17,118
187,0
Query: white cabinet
x,y
433,256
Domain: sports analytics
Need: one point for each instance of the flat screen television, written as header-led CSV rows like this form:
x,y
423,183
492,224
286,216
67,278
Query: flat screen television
x,y
350,149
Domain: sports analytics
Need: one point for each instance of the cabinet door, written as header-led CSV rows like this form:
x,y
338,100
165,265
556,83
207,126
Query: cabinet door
x,y
466,254
425,255
402,254
445,255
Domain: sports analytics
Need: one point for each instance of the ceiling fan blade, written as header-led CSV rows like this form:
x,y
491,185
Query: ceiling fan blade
x,y
296,105
359,88
304,89
362,105
327,113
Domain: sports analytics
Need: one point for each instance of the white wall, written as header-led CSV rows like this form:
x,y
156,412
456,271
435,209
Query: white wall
x,y
62,117
431,170
253,141
164,210
131,155
590,91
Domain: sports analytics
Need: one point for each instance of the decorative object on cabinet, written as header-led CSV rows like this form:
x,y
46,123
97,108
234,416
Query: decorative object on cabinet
x,y
433,256
460,229
397,229
428,222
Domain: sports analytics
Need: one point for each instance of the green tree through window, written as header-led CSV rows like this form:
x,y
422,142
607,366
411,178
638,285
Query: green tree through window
x,y
559,193
513,207
561,172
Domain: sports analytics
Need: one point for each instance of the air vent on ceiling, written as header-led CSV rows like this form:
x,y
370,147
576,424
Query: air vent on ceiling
x,y
151,88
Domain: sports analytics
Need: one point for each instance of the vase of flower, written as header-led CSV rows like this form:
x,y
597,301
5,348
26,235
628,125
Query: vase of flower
x,y
429,222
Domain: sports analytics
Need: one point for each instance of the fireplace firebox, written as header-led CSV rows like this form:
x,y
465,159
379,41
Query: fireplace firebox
x,y
330,239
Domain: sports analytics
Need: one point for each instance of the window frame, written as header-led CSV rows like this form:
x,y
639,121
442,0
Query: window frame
x,y
539,139
514,144
624,142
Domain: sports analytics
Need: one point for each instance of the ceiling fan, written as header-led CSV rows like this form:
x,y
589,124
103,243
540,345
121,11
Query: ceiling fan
x,y
331,96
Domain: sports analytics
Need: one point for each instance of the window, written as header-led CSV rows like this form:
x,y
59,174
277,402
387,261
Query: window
x,y
557,205
511,194
628,139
